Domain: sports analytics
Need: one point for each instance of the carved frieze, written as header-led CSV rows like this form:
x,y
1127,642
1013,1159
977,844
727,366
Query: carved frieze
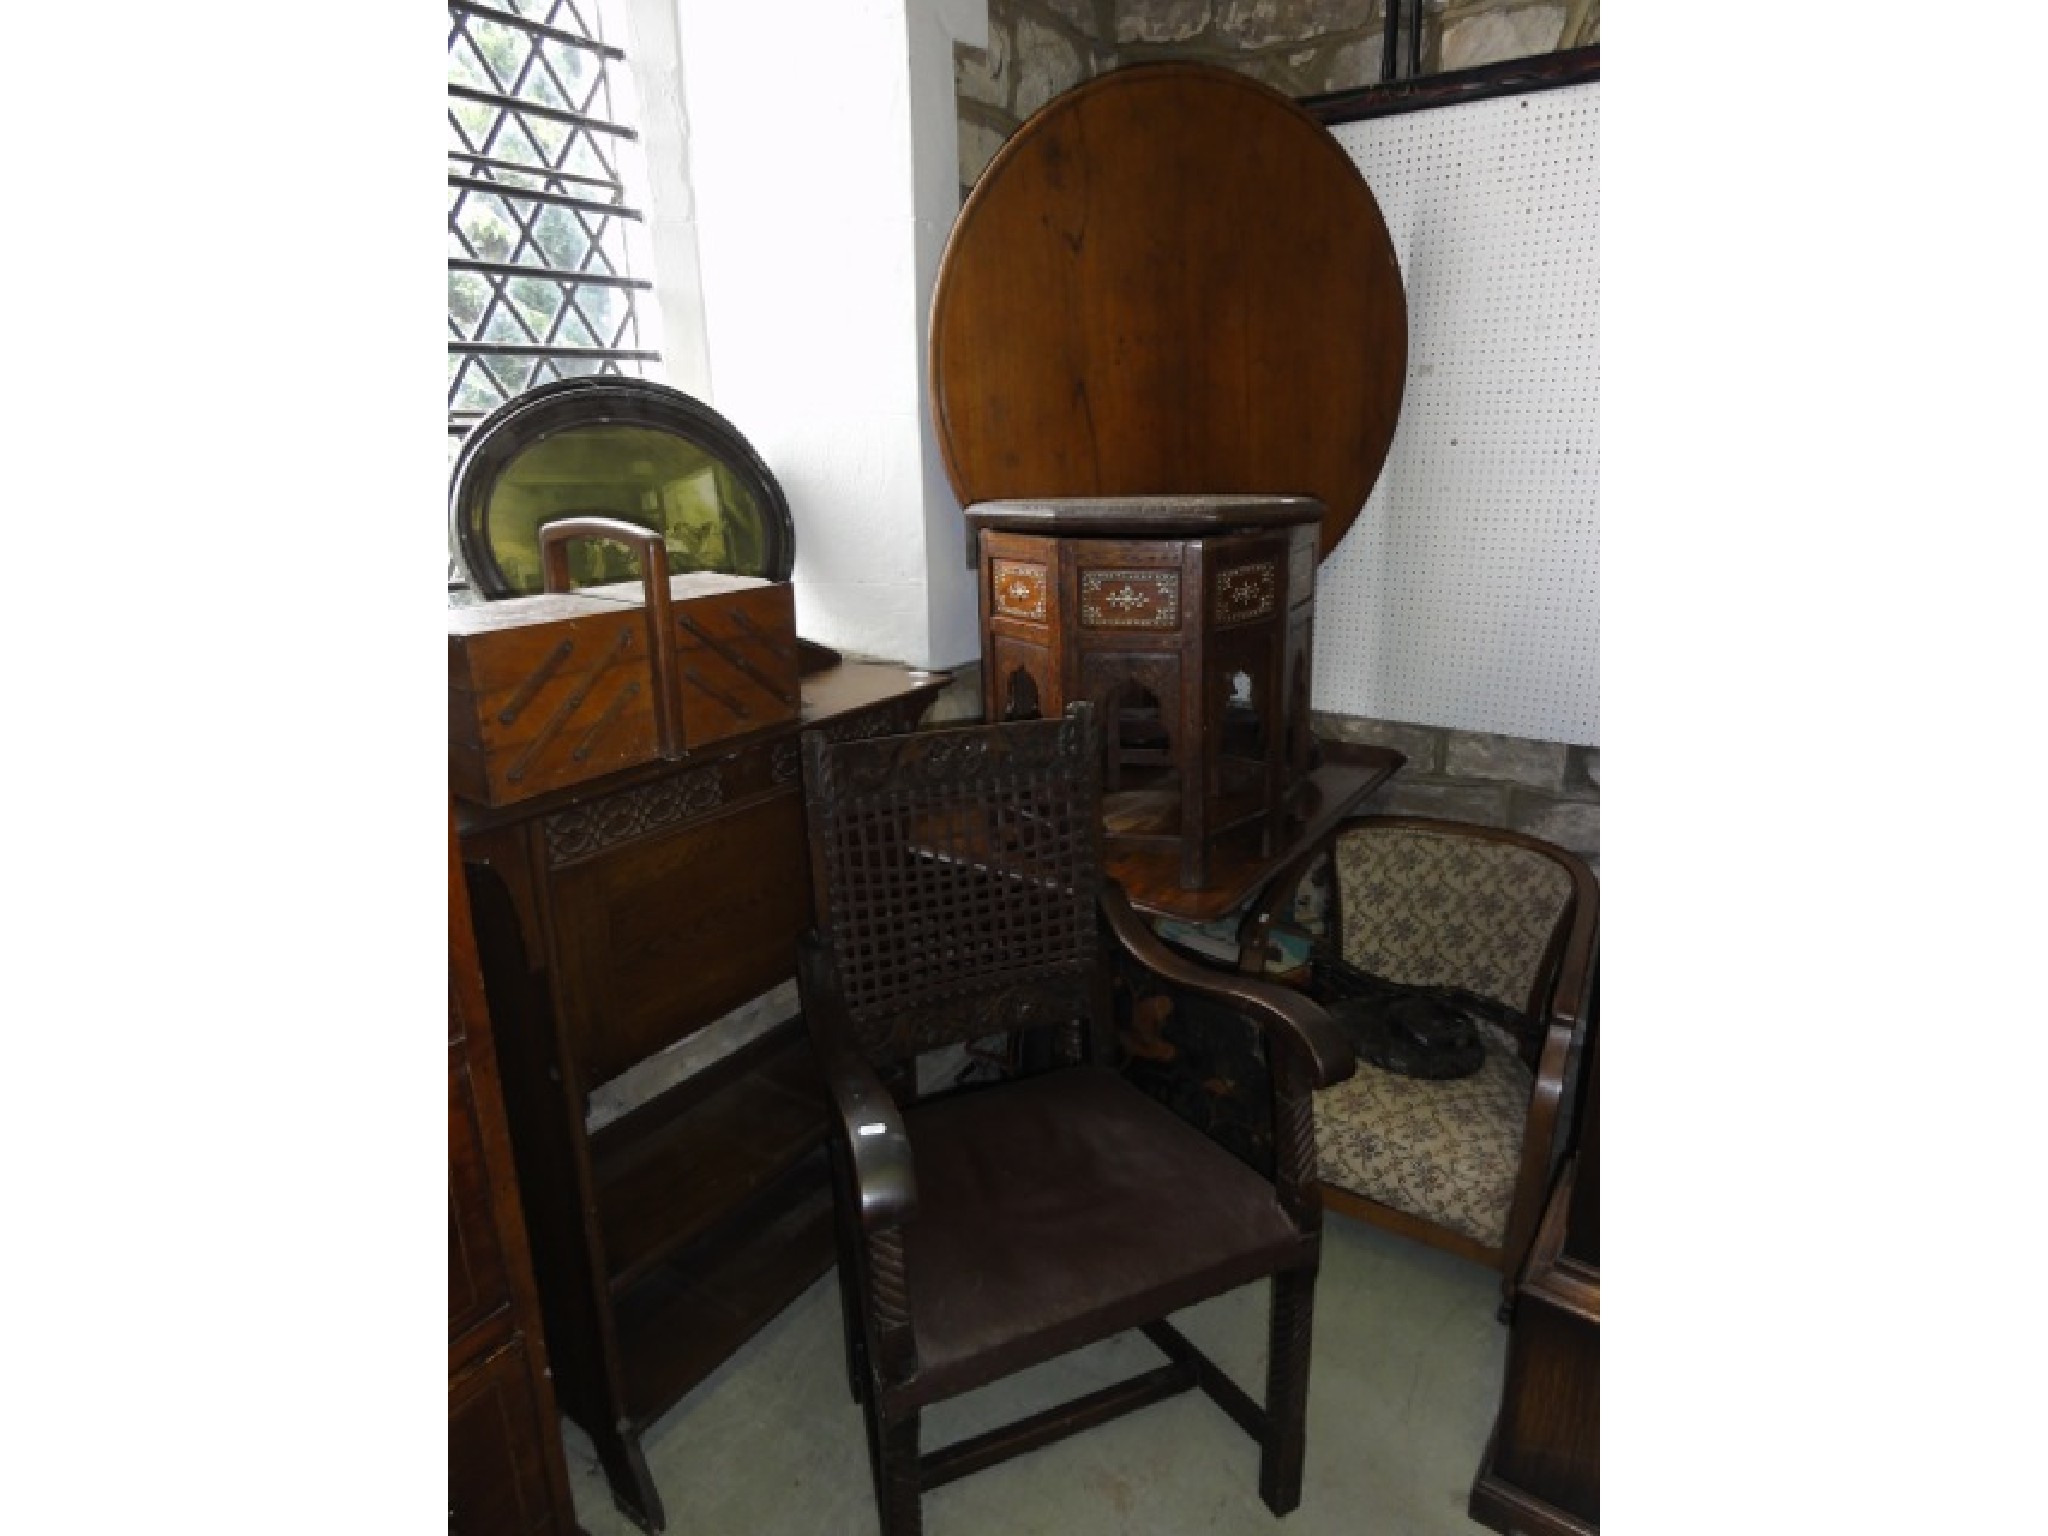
x,y
584,829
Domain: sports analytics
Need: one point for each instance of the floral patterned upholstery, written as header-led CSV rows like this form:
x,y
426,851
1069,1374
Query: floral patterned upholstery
x,y
1434,908
1446,1150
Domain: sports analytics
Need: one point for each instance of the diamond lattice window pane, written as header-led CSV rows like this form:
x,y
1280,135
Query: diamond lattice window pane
x,y
518,151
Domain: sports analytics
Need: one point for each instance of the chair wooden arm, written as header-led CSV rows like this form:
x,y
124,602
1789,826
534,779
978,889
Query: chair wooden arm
x,y
1301,1023
1575,964
870,1124
1274,904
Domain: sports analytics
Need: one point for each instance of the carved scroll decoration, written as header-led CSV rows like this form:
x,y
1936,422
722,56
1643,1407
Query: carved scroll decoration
x,y
585,829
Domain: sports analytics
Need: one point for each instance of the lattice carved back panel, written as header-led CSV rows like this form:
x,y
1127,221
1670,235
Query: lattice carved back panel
x,y
958,874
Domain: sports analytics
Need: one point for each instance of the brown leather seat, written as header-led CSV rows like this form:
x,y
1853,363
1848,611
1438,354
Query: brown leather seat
x,y
960,893
1041,1223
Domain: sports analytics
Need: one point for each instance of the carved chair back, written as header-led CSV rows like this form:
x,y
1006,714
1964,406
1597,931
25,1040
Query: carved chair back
x,y
958,873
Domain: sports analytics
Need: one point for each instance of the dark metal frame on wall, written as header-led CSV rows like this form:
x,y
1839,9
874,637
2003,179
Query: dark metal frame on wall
x,y
1511,77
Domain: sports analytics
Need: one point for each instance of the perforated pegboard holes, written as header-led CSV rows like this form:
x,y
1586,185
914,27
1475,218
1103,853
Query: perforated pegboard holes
x,y
1467,593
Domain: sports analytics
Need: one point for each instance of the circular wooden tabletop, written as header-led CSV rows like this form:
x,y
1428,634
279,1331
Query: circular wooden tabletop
x,y
1143,517
1170,281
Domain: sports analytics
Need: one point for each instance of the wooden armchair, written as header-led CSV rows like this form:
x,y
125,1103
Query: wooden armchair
x,y
1466,1163
960,894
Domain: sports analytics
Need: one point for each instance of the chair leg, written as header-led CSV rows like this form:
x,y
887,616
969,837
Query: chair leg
x,y
850,1332
1287,1354
847,1241
898,1498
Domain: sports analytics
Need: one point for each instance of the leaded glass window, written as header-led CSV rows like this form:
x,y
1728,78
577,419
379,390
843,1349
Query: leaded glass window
x,y
542,244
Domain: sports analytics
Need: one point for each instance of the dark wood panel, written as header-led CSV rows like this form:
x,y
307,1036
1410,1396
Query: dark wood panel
x,y
1582,1225
670,932
498,1449
1541,1472
506,1472
683,1319
1548,1442
665,1178
476,1262
615,919
545,1110
1151,877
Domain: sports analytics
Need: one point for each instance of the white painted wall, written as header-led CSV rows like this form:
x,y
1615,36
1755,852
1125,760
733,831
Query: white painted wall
x,y
654,75
821,141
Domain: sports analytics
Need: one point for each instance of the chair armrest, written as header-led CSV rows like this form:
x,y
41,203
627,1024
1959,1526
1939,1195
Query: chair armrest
x,y
1275,904
870,1123
1575,965
1297,1020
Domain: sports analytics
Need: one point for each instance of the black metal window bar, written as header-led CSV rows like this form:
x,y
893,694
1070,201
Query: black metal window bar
x,y
539,279
1391,58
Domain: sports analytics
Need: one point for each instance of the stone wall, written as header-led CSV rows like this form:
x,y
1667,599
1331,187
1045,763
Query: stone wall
x,y
1036,49
1544,788
1039,48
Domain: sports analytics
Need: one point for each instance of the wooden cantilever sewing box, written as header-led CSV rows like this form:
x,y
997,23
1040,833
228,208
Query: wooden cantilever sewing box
x,y
551,690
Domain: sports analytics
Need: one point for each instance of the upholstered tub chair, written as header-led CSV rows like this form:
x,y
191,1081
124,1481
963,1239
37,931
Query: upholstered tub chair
x,y
1463,1163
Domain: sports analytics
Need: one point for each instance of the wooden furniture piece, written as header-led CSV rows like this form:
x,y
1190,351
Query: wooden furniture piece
x,y
1541,1472
1168,348
960,894
547,691
1465,1163
506,1475
1171,280
1186,622
1150,874
616,919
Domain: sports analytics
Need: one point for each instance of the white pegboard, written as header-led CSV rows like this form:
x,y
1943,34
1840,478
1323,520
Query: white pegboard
x,y
1467,594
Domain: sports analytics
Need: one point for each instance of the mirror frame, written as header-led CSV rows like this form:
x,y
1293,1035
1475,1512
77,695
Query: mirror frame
x,y
566,405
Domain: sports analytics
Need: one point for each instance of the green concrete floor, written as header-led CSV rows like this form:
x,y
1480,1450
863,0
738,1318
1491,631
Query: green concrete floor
x,y
1403,1388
